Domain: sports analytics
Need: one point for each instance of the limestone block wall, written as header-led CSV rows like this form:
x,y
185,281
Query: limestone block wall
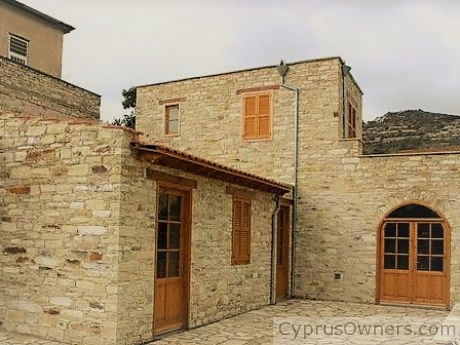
x,y
26,90
45,40
136,248
211,111
218,288
343,213
62,205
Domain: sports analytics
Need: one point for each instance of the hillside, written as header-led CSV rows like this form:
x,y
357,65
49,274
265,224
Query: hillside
x,y
411,130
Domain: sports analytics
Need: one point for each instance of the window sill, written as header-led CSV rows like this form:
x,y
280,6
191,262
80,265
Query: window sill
x,y
253,140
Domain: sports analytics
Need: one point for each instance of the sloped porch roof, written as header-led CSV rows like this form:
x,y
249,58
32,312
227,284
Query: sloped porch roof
x,y
167,156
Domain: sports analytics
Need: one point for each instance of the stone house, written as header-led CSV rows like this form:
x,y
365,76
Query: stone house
x,y
365,228
114,236
32,38
107,237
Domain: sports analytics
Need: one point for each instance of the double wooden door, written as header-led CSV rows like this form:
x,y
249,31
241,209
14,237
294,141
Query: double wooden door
x,y
414,262
172,261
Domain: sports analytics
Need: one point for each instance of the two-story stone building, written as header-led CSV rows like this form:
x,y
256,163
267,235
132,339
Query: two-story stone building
x,y
110,236
365,228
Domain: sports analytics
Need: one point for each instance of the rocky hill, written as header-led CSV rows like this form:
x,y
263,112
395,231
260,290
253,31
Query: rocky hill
x,y
411,130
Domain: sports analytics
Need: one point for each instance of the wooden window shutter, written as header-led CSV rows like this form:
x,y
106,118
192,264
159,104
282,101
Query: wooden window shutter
x,y
257,116
264,116
351,121
250,117
241,241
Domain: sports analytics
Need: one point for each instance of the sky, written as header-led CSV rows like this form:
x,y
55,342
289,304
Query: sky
x,y
404,54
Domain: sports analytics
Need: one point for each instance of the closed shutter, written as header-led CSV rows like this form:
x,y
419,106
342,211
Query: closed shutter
x,y
257,116
241,241
351,121
250,117
264,116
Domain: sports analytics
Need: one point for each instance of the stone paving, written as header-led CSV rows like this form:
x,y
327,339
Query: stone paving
x,y
300,317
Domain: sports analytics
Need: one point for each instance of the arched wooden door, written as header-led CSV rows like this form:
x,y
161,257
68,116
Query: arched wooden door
x,y
414,257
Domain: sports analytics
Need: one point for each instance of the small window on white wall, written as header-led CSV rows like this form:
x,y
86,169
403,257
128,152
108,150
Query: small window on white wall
x,y
19,49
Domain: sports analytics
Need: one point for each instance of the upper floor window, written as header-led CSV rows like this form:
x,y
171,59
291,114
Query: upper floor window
x,y
241,237
172,119
257,116
351,121
19,49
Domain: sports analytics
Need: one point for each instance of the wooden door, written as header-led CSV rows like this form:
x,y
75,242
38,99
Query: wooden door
x,y
430,278
172,261
414,262
282,253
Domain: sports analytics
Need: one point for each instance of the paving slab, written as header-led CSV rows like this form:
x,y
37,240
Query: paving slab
x,y
311,322
379,325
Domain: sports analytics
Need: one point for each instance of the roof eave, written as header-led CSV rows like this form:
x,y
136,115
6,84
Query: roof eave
x,y
195,165
65,28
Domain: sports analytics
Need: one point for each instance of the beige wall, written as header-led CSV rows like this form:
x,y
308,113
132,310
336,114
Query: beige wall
x,y
45,40
28,91
77,228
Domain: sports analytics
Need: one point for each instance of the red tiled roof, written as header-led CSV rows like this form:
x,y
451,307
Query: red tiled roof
x,y
173,158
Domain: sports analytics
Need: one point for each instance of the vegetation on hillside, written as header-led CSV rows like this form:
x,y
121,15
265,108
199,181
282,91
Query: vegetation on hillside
x,y
410,130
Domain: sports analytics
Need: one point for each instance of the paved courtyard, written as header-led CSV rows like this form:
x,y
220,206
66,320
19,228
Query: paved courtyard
x,y
312,322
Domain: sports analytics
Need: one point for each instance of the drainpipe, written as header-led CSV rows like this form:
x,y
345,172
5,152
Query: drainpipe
x,y
274,247
282,70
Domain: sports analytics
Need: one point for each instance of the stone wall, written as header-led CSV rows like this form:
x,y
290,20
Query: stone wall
x,y
45,40
136,260
77,236
218,288
211,111
25,90
60,208
345,215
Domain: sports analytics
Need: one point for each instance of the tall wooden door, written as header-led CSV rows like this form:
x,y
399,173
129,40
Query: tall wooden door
x,y
414,262
172,261
282,253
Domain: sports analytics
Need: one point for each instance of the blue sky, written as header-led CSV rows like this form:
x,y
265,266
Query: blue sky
x,y
405,54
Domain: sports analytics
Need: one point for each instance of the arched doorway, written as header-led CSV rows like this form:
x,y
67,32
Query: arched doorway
x,y
414,257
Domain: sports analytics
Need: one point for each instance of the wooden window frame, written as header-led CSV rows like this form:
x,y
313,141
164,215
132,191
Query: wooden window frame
x,y
257,116
167,121
351,123
241,245
16,56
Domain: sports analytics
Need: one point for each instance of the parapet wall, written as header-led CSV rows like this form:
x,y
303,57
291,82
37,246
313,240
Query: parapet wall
x,y
26,90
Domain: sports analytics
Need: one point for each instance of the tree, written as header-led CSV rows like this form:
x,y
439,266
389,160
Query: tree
x,y
129,102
